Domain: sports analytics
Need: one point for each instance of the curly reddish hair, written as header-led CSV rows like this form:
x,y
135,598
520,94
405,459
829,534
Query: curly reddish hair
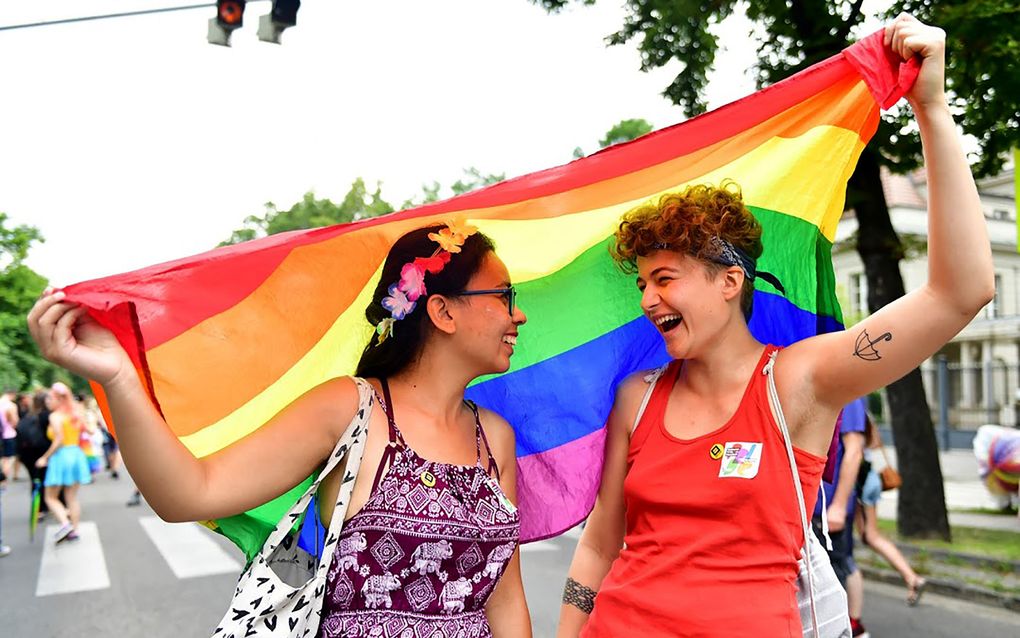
x,y
688,222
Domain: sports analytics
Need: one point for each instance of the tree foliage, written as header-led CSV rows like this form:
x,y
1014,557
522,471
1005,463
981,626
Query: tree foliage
x,y
21,365
473,179
312,212
625,131
622,131
983,57
358,203
983,76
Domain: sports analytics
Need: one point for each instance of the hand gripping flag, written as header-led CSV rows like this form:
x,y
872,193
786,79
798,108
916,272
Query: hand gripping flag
x,y
224,340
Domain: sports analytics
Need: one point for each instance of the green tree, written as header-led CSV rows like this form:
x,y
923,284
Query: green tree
x,y
21,365
358,203
983,54
310,212
625,131
622,131
473,179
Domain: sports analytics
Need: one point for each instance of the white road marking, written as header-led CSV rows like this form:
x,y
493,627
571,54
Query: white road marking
x,y
187,549
72,566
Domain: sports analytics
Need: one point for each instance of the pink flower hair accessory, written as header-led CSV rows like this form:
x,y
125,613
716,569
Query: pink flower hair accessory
x,y
403,296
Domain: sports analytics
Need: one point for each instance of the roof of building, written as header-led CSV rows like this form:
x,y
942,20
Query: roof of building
x,y
903,191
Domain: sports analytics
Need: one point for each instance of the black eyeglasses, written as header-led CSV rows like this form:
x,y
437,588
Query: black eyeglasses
x,y
508,293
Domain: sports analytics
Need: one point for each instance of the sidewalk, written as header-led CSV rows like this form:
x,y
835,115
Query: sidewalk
x,y
964,490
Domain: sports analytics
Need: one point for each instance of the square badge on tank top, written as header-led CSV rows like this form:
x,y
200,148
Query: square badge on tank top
x,y
740,459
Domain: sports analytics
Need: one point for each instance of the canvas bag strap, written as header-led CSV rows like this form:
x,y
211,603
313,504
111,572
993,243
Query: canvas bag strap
x,y
778,409
651,379
354,435
354,455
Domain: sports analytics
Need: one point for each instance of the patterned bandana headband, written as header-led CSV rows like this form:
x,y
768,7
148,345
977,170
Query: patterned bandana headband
x,y
404,294
730,255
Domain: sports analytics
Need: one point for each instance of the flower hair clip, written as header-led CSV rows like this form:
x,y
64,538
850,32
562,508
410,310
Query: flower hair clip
x,y
402,296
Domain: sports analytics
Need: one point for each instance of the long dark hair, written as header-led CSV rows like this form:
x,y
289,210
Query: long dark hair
x,y
381,360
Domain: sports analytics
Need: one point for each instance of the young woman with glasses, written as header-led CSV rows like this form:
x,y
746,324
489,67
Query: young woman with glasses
x,y
444,313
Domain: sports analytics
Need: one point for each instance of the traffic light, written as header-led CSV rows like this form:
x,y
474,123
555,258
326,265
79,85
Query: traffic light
x,y
229,16
282,15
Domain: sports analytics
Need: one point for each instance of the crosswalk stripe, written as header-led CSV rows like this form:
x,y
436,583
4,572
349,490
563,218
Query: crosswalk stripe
x,y
72,566
187,549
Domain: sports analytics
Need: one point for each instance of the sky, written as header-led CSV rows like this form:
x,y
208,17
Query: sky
x,y
133,141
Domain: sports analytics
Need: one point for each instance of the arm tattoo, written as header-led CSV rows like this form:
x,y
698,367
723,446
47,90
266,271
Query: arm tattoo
x,y
865,346
576,594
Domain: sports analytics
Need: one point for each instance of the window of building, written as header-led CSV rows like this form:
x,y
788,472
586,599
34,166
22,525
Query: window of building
x,y
994,307
858,294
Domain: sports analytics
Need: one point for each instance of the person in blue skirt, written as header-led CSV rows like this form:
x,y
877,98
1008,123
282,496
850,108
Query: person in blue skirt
x,y
67,468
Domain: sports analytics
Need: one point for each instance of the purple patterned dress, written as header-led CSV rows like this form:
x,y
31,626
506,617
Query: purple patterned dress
x,y
422,557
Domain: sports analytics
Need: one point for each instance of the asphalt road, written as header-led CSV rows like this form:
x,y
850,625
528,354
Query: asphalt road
x,y
133,575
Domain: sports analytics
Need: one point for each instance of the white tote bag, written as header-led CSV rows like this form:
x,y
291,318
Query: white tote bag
x,y
820,597
281,592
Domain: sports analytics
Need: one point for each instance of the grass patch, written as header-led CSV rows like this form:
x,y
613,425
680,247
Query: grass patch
x,y
991,543
994,585
990,511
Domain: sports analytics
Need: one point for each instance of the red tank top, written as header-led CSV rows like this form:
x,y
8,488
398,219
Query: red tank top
x,y
713,529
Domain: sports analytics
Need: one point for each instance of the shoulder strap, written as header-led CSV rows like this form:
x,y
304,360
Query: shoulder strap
x,y
481,439
778,409
396,438
350,445
885,455
651,379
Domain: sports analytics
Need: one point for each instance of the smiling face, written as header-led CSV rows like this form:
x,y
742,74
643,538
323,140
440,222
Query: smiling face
x,y
486,332
688,301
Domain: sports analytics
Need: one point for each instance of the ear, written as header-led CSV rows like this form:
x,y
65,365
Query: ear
x,y
732,280
438,308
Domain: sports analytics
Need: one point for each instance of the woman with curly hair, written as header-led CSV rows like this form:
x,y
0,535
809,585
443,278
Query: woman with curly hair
x,y
696,530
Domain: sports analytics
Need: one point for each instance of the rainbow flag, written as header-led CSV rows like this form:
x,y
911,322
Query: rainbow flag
x,y
225,339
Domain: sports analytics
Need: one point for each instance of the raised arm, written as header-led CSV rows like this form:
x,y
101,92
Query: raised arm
x,y
602,538
882,348
178,486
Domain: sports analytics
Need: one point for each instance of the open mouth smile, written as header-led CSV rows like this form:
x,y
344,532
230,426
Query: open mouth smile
x,y
666,323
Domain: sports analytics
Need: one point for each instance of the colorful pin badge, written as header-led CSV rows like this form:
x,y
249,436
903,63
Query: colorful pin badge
x,y
428,479
716,451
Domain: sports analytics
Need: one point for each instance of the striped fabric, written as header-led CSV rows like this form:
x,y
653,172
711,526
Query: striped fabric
x,y
225,339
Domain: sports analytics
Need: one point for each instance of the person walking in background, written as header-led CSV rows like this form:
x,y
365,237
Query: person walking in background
x,y
8,435
867,517
91,440
33,442
837,516
65,462
111,452
24,401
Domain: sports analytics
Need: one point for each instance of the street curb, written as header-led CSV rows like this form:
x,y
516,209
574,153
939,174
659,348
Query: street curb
x,y
947,587
973,560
